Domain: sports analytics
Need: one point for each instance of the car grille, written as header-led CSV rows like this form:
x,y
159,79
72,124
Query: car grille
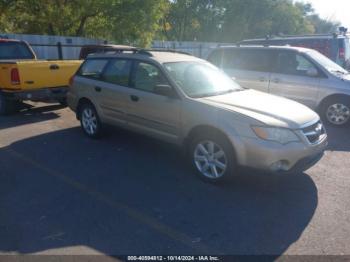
x,y
315,132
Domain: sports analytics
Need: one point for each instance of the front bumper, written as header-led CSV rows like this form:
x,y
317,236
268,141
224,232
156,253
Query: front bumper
x,y
275,157
305,163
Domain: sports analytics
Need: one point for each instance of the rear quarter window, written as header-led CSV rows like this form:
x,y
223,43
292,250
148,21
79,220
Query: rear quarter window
x,y
93,68
118,72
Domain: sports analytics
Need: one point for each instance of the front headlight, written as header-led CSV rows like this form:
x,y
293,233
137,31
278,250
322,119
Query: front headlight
x,y
280,135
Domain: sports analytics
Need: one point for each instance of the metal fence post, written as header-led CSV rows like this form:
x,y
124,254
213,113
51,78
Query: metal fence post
x,y
59,49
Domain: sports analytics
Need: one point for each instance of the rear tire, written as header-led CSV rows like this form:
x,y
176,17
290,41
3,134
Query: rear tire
x,y
6,106
90,121
212,157
336,111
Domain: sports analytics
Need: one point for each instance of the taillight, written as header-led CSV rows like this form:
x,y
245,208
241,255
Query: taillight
x,y
15,80
71,81
341,53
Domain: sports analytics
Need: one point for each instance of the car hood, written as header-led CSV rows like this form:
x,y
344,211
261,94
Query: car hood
x,y
269,109
345,78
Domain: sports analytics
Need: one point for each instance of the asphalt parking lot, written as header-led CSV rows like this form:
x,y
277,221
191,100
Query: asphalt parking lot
x,y
62,193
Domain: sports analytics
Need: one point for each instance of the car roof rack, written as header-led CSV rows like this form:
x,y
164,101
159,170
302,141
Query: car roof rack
x,y
233,45
149,51
278,37
241,43
141,51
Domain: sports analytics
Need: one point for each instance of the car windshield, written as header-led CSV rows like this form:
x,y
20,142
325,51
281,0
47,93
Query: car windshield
x,y
198,79
328,64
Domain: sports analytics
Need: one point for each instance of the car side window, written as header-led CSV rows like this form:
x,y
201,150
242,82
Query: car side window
x,y
93,68
249,59
117,72
231,59
147,77
291,63
216,57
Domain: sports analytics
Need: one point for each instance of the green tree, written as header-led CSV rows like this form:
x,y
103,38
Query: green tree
x,y
123,21
190,20
138,22
234,20
322,25
130,21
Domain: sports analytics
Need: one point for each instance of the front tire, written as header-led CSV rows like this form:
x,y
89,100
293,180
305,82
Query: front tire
x,y
336,111
90,121
212,157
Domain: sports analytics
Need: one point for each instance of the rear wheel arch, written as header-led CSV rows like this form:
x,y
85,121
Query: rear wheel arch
x,y
81,102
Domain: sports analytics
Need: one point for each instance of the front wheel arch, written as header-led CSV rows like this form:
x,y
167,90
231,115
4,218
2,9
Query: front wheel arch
x,y
325,100
321,109
205,129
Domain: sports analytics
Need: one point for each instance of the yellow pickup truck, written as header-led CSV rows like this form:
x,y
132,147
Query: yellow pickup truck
x,y
24,77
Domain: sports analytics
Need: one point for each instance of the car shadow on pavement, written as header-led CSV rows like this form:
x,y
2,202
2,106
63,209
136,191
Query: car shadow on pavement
x,y
29,114
127,194
338,138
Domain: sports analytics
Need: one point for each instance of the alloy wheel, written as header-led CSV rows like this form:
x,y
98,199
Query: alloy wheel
x,y
338,114
89,121
210,159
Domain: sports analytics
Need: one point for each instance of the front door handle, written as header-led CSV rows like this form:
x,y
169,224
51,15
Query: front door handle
x,y
54,67
262,79
276,80
134,98
98,89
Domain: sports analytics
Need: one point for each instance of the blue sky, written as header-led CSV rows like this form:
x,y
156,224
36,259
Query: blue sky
x,y
338,10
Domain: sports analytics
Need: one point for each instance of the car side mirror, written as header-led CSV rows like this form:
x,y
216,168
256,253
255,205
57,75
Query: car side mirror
x,y
164,90
312,72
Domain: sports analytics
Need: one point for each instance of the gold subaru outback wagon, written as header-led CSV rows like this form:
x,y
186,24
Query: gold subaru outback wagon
x,y
187,101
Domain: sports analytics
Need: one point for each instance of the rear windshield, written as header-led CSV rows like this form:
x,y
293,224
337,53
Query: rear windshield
x,y
15,50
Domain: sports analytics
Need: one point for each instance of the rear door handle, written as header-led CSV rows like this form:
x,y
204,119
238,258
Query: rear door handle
x,y
276,80
262,79
98,89
134,98
54,67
